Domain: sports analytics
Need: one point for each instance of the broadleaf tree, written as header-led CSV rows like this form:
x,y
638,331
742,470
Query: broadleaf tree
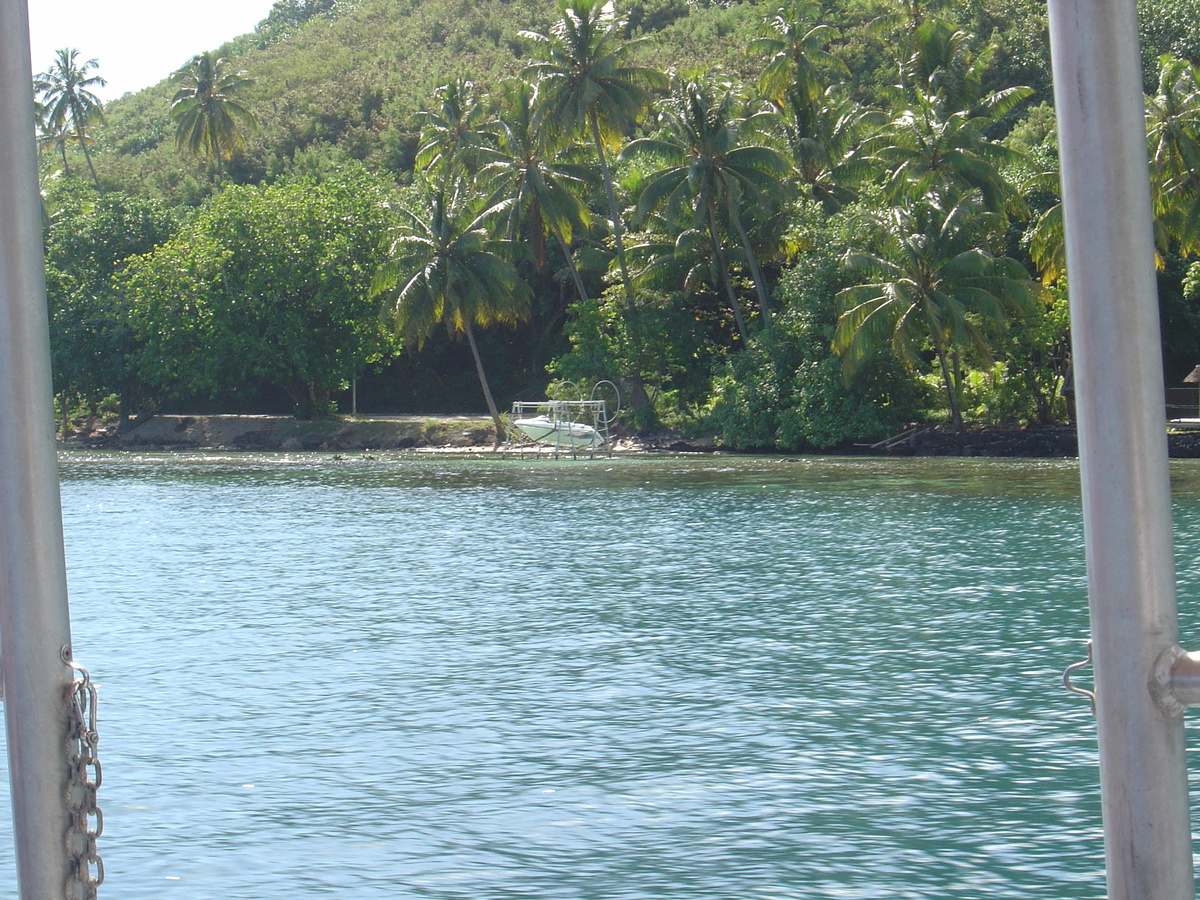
x,y
266,286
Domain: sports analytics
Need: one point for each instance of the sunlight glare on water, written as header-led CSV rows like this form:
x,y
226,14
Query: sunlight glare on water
x,y
710,677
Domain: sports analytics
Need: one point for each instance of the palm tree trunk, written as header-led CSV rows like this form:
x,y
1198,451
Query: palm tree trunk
x,y
483,382
948,380
754,271
637,388
618,231
62,148
723,270
537,237
571,266
88,157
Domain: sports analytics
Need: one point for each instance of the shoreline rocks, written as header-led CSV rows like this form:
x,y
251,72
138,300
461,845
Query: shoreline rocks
x,y
284,433
455,432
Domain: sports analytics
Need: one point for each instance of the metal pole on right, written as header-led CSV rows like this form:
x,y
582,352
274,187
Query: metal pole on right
x,y
1122,447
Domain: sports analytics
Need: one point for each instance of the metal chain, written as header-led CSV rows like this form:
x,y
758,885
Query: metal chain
x,y
87,822
1072,669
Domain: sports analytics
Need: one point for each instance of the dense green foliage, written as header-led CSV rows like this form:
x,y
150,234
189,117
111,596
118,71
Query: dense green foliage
x,y
802,225
88,243
265,286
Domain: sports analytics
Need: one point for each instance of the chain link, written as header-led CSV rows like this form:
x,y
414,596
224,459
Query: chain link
x,y
87,822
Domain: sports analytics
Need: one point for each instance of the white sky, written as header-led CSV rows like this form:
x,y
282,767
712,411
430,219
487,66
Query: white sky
x,y
138,42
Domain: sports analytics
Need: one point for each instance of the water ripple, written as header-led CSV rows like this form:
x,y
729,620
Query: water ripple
x,y
719,677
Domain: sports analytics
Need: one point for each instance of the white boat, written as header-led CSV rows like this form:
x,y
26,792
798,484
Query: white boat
x,y
557,433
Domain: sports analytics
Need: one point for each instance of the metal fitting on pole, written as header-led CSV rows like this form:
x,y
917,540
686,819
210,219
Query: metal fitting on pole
x,y
1178,675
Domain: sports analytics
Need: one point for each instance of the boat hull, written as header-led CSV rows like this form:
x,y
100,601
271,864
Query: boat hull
x,y
572,435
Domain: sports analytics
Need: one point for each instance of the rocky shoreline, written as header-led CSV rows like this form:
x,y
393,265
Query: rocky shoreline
x,y
474,433
1046,442
283,433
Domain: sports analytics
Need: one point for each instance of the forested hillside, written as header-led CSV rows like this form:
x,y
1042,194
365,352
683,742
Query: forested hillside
x,y
343,80
796,226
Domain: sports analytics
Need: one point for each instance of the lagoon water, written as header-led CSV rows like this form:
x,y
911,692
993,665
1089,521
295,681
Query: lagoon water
x,y
618,679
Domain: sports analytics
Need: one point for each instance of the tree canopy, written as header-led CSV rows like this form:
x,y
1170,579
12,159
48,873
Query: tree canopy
x,y
264,286
832,215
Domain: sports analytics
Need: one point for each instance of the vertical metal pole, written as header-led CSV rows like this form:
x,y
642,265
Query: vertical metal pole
x,y
1122,444
34,624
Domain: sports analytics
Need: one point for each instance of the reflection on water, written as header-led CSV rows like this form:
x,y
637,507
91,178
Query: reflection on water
x,y
669,678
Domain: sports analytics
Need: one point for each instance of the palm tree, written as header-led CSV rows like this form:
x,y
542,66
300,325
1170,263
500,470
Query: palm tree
x,y
1173,134
823,130
673,253
65,92
446,268
922,155
587,87
712,166
1173,129
905,16
937,142
456,135
546,195
209,119
795,42
934,285
53,134
1047,239
943,70
825,138
900,21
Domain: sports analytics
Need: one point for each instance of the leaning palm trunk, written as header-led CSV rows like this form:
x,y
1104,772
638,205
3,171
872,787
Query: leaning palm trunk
x,y
752,261
87,156
949,381
483,382
614,211
723,271
635,387
571,266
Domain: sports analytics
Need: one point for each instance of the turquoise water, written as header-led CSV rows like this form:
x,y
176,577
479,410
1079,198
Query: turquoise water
x,y
634,678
